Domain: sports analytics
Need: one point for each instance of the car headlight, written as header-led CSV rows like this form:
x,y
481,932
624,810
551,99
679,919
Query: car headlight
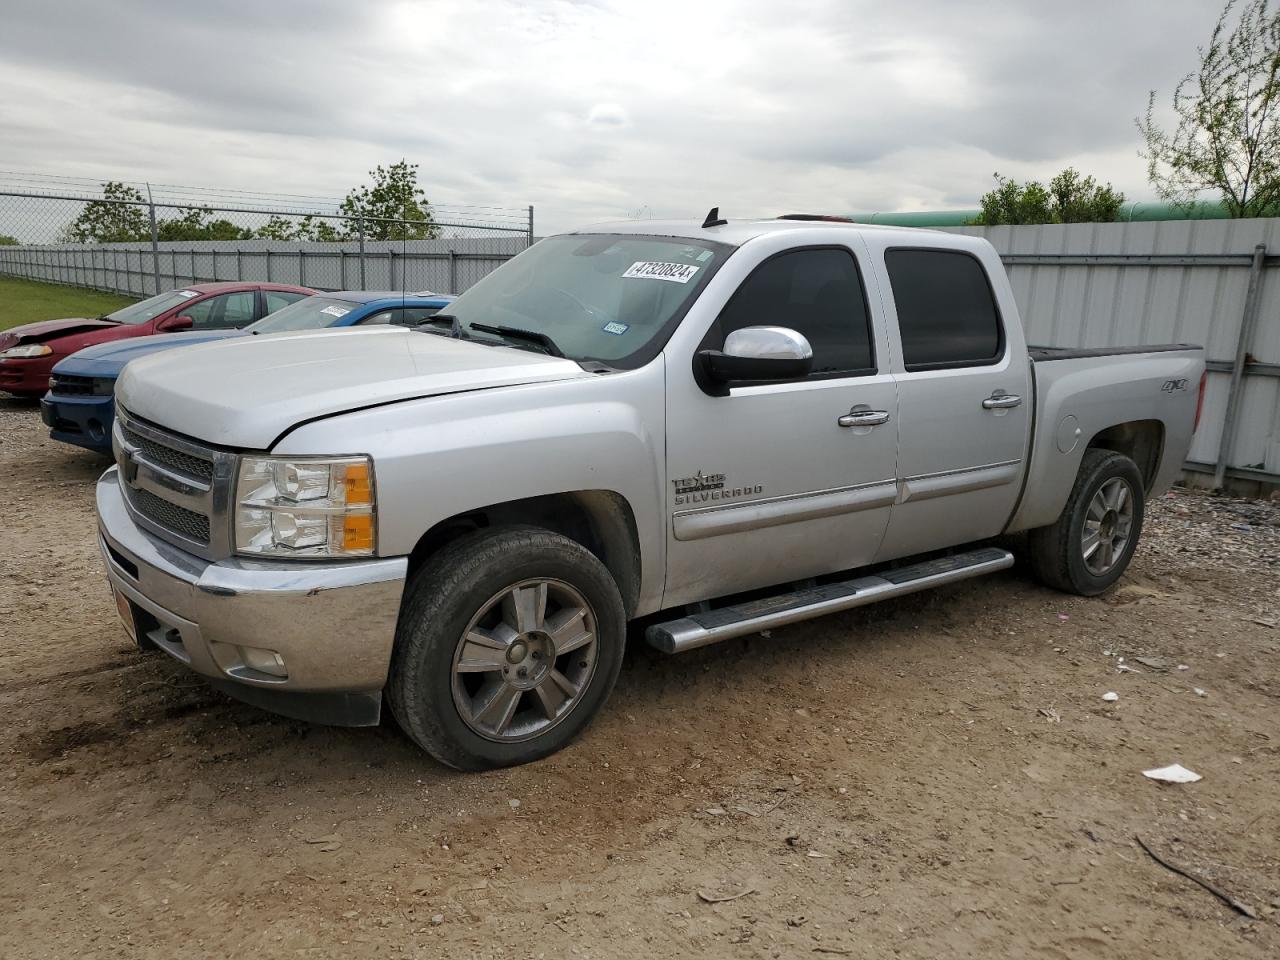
x,y
305,507
26,352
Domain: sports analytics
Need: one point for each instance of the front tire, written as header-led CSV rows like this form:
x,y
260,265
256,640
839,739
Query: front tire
x,y
509,642
1089,546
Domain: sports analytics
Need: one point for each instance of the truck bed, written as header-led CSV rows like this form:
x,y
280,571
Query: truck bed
x,y
1077,393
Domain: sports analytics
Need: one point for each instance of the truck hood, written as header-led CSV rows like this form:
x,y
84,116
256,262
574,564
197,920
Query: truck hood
x,y
107,359
45,330
249,391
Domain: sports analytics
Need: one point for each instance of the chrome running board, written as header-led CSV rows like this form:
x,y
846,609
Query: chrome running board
x,y
701,629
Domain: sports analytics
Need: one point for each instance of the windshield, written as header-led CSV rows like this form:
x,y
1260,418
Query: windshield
x,y
309,314
609,297
144,310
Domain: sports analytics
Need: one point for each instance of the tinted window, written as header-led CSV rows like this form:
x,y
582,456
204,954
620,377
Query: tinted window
x,y
946,312
224,312
281,298
816,292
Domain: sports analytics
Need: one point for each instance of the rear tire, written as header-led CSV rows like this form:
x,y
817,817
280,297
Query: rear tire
x,y
1089,546
509,642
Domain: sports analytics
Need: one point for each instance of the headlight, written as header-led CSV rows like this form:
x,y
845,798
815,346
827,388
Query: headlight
x,y
304,507
31,350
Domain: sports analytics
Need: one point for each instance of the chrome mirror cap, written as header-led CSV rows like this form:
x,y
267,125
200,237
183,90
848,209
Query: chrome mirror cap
x,y
767,343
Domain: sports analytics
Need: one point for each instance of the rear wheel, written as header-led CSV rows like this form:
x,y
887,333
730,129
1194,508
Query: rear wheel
x,y
1089,546
508,644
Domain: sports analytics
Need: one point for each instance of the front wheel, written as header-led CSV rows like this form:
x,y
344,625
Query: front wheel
x,y
1090,545
509,642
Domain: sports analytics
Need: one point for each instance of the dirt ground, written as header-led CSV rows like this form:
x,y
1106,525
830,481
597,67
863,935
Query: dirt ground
x,y
935,777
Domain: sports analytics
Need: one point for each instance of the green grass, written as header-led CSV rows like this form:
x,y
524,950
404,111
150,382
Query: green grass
x,y
25,301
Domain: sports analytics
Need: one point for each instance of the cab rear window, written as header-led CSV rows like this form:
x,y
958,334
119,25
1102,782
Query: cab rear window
x,y
947,312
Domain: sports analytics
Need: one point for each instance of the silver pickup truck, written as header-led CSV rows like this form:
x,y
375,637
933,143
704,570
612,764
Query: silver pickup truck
x,y
710,428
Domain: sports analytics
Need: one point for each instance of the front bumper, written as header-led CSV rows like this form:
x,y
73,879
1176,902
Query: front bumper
x,y
83,421
333,624
26,376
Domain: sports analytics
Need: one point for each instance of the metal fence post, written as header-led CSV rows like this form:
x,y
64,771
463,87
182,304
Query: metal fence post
x,y
155,239
302,267
342,268
268,264
239,264
531,224
1248,320
391,271
215,264
360,228
453,271
193,265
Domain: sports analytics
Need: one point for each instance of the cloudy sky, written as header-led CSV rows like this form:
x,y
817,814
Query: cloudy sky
x,y
594,109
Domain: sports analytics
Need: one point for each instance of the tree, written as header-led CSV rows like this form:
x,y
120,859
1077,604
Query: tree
x,y
119,217
277,228
1070,198
1227,137
394,195
195,224
321,230
8,241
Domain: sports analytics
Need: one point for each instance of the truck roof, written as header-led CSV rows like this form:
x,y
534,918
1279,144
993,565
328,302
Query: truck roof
x,y
737,232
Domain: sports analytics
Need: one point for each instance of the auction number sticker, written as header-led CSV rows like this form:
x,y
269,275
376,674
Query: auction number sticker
x,y
335,311
188,294
653,270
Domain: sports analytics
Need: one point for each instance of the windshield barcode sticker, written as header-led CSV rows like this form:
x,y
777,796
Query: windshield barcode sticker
x,y
651,270
188,294
336,311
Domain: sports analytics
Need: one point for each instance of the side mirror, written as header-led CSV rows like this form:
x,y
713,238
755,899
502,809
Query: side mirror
x,y
759,354
175,323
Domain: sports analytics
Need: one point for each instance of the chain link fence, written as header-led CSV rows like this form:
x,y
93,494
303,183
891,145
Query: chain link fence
x,y
139,248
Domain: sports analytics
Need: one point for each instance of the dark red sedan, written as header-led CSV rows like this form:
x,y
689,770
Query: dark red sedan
x,y
28,352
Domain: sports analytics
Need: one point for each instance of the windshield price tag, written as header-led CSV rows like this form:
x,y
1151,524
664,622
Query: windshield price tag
x,y
188,294
651,270
335,311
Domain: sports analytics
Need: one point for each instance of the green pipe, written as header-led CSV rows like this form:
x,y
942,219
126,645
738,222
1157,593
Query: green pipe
x,y
1131,212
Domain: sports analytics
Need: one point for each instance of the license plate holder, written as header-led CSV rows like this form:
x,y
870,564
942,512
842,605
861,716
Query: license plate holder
x,y
124,609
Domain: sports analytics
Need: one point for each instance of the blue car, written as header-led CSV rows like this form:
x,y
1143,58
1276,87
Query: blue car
x,y
80,405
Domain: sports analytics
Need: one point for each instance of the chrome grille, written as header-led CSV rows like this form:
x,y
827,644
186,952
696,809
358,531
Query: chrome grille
x,y
177,488
188,523
167,456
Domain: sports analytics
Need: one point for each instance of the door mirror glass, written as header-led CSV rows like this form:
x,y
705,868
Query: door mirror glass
x,y
760,354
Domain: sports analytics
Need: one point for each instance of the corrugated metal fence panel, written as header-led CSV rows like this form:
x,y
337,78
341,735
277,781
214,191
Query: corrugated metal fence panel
x,y
445,265
1104,305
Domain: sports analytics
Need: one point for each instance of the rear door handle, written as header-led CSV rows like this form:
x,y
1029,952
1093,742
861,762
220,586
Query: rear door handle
x,y
1001,401
863,418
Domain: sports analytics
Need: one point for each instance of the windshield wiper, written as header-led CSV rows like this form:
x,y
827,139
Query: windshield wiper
x,y
516,333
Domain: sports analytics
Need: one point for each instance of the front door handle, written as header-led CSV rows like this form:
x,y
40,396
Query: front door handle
x,y
1001,401
863,418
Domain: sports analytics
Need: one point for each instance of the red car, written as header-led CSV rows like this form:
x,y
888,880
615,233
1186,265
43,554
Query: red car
x,y
28,352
